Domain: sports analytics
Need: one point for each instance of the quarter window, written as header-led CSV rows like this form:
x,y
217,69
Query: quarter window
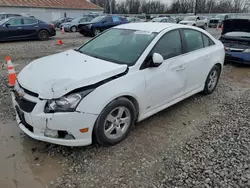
x,y
194,40
169,45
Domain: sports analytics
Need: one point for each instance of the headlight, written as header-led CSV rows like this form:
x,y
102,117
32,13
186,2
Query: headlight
x,y
90,25
67,103
246,50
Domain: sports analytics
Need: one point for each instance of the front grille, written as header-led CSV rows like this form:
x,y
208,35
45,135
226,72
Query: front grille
x,y
214,21
24,104
23,121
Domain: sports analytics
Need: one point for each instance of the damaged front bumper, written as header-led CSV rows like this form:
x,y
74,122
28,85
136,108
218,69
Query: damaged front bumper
x,y
36,123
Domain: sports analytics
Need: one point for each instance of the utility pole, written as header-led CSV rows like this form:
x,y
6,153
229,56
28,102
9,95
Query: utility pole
x,y
195,8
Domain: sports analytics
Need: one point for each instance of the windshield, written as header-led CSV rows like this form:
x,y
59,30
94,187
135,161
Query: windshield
x,y
3,21
219,16
190,18
97,19
156,20
119,46
75,20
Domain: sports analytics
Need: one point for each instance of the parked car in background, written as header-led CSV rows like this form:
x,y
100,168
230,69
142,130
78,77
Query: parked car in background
x,y
198,21
19,28
133,19
8,15
58,22
218,20
163,19
101,23
73,25
119,78
236,38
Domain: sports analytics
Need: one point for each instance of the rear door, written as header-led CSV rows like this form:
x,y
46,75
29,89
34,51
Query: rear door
x,y
198,58
12,28
29,27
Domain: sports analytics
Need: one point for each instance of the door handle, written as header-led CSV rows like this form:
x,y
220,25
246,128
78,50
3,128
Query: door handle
x,y
19,28
36,26
180,68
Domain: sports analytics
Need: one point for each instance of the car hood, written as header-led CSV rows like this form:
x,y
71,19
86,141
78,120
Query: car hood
x,y
187,22
236,25
56,75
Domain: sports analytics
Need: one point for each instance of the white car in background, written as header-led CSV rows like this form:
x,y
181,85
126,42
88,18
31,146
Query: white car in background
x,y
124,75
198,21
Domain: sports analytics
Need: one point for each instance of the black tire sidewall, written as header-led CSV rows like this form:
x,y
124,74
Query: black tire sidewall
x,y
39,35
206,90
99,134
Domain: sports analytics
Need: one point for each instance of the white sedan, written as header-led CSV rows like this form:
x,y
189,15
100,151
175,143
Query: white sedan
x,y
124,75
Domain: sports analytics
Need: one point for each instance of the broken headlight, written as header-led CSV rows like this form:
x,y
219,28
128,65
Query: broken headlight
x,y
66,103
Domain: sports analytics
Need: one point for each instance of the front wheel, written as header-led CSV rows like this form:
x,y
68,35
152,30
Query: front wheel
x,y
96,32
73,29
115,122
212,80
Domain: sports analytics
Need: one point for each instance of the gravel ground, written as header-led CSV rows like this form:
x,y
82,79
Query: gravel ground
x,y
200,142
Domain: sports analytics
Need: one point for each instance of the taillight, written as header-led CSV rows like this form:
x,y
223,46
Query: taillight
x,y
222,27
51,25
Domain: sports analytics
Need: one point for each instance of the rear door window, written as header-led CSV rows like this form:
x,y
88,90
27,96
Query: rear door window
x,y
194,39
29,21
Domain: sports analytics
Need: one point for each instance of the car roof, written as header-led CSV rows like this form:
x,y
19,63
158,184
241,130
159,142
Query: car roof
x,y
148,26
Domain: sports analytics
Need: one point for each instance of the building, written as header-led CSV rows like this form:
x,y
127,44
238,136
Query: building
x,y
49,10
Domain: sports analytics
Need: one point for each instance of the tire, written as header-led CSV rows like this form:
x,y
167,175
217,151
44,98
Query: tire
x,y
212,80
43,35
96,32
110,121
73,29
205,26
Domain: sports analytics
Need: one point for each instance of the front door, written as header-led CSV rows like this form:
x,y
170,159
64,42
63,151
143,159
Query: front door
x,y
107,23
13,28
168,81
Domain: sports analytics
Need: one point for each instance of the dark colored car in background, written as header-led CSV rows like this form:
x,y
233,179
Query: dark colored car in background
x,y
101,23
58,22
236,38
20,28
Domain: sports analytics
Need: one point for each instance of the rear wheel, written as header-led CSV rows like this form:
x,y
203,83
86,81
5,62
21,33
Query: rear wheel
x,y
43,35
212,80
115,122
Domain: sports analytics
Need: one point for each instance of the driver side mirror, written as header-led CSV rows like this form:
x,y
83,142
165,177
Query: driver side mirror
x,y
104,21
157,59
